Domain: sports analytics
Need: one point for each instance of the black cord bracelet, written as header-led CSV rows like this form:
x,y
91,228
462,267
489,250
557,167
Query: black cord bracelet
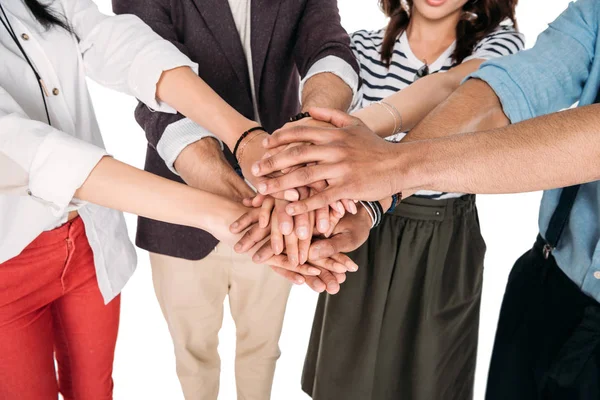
x,y
249,131
300,116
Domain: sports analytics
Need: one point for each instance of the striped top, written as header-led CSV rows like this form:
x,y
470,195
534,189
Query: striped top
x,y
379,82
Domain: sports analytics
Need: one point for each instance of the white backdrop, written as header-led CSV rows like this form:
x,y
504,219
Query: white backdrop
x,y
145,365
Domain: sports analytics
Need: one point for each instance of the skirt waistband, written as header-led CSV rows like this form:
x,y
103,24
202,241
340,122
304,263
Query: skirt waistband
x,y
436,210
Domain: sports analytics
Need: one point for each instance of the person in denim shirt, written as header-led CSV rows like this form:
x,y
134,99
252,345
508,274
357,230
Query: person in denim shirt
x,y
549,327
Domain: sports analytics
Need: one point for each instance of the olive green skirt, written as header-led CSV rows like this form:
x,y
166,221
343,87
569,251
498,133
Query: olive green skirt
x,y
404,326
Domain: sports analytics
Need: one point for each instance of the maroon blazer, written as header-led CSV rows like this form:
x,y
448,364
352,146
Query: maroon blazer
x,y
288,37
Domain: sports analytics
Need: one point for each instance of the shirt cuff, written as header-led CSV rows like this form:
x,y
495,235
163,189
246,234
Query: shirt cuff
x,y
177,136
513,100
148,67
61,165
336,66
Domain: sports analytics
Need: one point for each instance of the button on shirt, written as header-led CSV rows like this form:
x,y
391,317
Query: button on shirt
x,y
42,166
562,68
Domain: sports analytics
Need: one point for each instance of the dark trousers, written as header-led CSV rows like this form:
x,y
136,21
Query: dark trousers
x,y
547,342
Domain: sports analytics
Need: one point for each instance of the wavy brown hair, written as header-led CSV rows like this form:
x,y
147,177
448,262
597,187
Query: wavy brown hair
x,y
468,33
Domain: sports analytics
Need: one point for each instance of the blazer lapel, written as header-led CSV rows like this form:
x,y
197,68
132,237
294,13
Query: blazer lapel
x,y
217,16
264,16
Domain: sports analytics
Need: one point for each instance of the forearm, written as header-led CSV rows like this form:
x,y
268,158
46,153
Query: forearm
x,y
552,151
326,90
183,90
119,186
473,107
416,101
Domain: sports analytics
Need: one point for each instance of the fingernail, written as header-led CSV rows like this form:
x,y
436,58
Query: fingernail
x,y
314,271
286,228
340,207
323,225
299,280
237,247
302,232
353,208
256,258
262,188
352,267
266,155
294,261
235,225
290,210
265,142
277,249
291,195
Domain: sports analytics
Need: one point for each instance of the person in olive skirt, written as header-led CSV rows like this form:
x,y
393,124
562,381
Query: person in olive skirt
x,y
405,326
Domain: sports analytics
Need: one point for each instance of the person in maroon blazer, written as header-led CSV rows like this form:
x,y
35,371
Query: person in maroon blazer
x,y
270,60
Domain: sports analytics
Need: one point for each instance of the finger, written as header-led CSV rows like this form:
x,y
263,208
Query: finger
x,y
276,236
289,275
248,202
337,118
288,195
302,226
330,264
285,221
315,283
264,253
266,210
346,261
243,222
304,244
322,217
317,201
338,209
282,261
349,206
331,284
340,243
304,176
341,278
253,236
291,248
294,156
333,221
297,134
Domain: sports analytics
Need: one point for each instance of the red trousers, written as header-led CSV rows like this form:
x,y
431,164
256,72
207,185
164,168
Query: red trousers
x,y
51,307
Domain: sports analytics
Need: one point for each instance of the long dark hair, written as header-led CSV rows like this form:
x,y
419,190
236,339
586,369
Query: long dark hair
x,y
47,17
490,13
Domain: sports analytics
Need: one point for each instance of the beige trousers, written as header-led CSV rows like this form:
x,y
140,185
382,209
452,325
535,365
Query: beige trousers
x,y
191,296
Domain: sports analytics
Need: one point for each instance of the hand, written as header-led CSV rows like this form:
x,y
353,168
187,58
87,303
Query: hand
x,y
200,161
349,234
355,163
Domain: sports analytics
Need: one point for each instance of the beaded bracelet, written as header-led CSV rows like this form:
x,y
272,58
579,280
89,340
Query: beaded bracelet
x,y
300,116
243,136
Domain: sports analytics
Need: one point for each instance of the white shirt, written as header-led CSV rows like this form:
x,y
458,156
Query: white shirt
x,y
42,166
184,132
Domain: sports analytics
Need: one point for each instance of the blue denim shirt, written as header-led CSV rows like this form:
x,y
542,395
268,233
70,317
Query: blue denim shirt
x,y
562,68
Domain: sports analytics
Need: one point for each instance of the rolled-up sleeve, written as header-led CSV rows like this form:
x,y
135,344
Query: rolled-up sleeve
x,y
337,66
123,53
551,75
41,161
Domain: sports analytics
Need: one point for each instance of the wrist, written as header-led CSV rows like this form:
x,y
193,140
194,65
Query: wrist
x,y
412,166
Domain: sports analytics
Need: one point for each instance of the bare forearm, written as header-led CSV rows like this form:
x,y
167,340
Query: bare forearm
x,y
473,107
183,90
116,185
416,101
548,152
326,90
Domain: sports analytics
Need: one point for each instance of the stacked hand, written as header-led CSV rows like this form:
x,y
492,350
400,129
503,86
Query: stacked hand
x,y
304,247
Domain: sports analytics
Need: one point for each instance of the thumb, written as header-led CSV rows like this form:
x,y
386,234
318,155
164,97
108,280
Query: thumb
x,y
335,117
340,243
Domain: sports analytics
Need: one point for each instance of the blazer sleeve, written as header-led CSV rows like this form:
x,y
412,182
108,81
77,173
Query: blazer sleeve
x,y
320,35
167,133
